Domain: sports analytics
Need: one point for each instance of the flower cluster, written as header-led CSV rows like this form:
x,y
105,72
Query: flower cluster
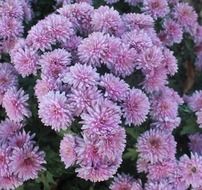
x,y
183,20
97,71
164,110
157,151
71,89
21,159
12,15
12,99
123,181
195,143
195,103
8,79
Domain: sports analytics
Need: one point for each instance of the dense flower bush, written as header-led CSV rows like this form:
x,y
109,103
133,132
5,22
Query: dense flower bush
x,y
100,95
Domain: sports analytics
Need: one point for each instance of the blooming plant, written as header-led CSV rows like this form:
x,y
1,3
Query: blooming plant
x,y
100,95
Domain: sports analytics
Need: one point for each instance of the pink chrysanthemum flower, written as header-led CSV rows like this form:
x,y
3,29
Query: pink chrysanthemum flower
x,y
27,162
81,76
115,88
84,98
191,170
21,139
12,8
59,27
124,62
93,49
44,86
101,118
198,34
167,123
170,62
138,39
55,111
122,181
107,20
55,62
177,179
136,107
4,161
173,32
195,101
80,14
93,166
156,8
169,93
161,170
163,107
162,185
72,44
8,77
155,39
67,150
37,37
112,143
19,44
8,129
27,9
156,145
10,27
25,60
155,80
166,91
195,143
112,52
15,104
150,58
7,44
185,15
137,185
99,171
136,21
199,118
10,182
142,165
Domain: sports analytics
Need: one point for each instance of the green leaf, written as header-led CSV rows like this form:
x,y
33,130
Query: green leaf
x,y
20,188
131,154
189,126
185,108
31,185
47,180
135,132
